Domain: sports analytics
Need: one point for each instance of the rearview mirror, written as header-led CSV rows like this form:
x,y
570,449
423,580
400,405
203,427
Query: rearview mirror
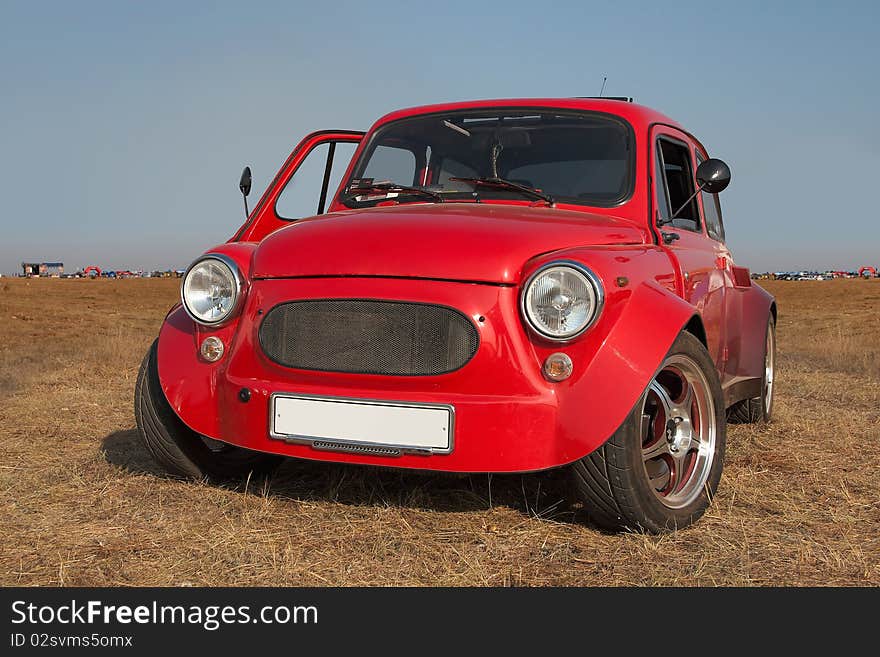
x,y
713,175
245,183
515,138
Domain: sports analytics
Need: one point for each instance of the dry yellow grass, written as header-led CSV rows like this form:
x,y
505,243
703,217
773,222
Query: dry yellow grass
x,y
82,504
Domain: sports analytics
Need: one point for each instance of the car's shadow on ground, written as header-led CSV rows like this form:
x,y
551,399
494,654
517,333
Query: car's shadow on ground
x,y
125,449
544,495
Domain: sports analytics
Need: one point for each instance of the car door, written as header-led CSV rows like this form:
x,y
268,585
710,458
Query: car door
x,y
699,259
304,183
737,281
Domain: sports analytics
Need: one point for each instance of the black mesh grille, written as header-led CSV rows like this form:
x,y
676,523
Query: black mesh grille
x,y
368,337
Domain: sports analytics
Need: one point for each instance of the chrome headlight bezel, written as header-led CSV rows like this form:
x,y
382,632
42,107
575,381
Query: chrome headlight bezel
x,y
591,280
237,284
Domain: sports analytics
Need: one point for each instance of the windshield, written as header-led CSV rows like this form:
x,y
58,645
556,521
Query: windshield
x,y
573,157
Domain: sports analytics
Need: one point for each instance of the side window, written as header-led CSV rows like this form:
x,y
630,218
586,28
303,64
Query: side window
x,y
302,195
660,187
679,183
711,211
397,165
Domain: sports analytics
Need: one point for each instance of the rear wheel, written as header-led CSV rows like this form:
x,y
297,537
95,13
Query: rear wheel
x,y
759,409
179,449
660,469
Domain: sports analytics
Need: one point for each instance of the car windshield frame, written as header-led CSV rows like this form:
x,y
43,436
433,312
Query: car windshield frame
x,y
347,196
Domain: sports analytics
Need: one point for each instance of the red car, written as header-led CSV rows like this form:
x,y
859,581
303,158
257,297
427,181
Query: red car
x,y
495,286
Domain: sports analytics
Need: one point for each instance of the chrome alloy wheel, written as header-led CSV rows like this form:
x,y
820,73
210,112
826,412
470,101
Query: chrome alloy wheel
x,y
769,370
678,431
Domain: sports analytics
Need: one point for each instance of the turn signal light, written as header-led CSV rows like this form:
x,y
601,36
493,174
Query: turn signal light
x,y
212,349
557,367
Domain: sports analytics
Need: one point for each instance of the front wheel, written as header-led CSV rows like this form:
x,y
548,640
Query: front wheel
x,y
179,449
660,469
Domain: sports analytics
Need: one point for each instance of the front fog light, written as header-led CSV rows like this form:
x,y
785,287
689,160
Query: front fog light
x,y
211,349
558,367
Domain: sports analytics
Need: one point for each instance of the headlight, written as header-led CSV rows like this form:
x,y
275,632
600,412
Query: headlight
x,y
211,289
561,300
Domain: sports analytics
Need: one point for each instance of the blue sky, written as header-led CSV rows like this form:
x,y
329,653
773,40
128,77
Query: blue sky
x,y
124,126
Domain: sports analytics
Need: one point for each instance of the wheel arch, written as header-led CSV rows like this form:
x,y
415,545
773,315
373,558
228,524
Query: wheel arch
x,y
695,327
646,328
758,308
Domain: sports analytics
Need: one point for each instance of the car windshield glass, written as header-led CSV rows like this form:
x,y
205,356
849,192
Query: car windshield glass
x,y
572,157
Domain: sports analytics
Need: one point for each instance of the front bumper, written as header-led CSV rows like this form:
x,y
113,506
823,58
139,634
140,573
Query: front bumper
x,y
508,418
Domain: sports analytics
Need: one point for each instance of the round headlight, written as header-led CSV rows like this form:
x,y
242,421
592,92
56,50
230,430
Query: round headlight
x,y
562,300
211,289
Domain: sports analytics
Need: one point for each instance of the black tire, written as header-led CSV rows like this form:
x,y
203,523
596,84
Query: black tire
x,y
179,449
758,409
612,482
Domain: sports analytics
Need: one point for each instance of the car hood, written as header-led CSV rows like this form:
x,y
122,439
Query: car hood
x,y
453,241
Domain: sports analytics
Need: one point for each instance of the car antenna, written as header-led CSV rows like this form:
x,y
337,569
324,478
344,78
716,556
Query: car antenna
x,y
602,90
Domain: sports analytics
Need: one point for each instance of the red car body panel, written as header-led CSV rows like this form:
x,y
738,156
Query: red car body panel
x,y
475,258
452,241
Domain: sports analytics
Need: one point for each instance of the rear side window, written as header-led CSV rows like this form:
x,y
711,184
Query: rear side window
x,y
712,211
678,178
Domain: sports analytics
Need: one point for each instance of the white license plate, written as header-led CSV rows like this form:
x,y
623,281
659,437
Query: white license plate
x,y
402,425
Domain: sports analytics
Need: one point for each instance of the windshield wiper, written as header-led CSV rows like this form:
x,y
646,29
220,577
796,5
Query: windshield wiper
x,y
501,183
390,187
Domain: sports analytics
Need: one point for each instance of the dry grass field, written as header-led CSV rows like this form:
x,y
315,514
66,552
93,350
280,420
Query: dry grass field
x,y
82,504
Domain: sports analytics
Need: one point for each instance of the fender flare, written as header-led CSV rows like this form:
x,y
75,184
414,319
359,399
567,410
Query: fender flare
x,y
179,339
746,363
626,363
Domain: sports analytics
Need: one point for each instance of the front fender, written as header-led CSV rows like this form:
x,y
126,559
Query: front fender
x,y
648,323
188,381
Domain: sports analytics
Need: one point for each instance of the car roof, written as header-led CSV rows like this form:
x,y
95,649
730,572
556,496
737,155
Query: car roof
x,y
639,116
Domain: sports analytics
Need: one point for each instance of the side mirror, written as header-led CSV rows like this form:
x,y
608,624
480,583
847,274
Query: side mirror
x,y
245,183
713,176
